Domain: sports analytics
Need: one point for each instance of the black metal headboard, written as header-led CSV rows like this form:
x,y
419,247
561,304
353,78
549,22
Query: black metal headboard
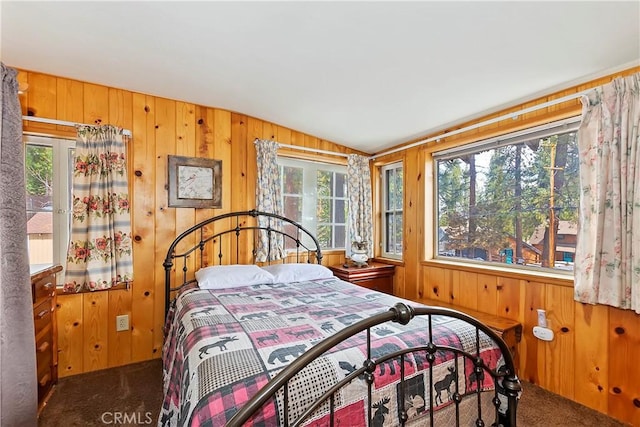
x,y
200,241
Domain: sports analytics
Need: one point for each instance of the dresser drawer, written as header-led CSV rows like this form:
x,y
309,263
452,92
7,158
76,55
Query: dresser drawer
x,y
44,288
44,360
42,315
44,350
45,382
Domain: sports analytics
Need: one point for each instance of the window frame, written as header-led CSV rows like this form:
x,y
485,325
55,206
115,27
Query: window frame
x,y
567,125
385,210
62,170
309,189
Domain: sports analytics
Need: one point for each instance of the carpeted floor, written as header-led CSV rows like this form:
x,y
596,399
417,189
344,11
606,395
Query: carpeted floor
x,y
132,395
538,407
104,398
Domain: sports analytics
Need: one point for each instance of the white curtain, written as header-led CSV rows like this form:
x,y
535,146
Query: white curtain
x,y
360,200
268,199
18,389
607,264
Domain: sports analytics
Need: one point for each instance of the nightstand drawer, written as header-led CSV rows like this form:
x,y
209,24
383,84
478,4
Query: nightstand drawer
x,y
375,276
381,284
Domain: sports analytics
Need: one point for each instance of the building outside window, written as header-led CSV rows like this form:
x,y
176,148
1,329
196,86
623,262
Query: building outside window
x,y
48,169
511,200
315,196
392,203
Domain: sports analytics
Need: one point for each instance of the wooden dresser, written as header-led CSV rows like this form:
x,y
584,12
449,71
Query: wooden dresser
x,y
376,276
43,290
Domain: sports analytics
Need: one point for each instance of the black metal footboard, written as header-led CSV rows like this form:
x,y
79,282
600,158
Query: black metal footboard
x,y
507,384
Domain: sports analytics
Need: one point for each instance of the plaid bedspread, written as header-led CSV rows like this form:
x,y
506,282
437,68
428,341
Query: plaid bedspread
x,y
223,346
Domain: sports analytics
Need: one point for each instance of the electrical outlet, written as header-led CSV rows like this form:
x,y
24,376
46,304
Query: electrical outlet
x,y
122,323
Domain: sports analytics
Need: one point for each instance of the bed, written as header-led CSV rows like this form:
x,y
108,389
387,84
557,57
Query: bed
x,y
289,344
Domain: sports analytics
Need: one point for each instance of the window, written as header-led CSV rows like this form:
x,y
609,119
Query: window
x,y
48,169
392,194
315,195
511,200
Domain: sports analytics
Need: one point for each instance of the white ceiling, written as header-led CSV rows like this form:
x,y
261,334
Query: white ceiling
x,y
369,75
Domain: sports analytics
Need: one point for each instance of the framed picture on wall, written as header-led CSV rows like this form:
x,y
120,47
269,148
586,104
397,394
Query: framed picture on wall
x,y
195,182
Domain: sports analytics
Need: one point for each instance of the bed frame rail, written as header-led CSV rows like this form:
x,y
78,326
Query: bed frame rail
x,y
271,224
401,313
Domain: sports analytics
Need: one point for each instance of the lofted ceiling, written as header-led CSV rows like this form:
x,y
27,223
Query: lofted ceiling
x,y
369,75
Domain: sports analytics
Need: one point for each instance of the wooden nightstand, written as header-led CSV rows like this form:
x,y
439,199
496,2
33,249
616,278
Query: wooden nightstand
x,y
376,276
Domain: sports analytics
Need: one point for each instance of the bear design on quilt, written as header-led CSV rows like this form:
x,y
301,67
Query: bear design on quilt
x,y
282,353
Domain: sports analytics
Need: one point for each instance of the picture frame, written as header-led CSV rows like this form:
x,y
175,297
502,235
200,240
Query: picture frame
x,y
195,182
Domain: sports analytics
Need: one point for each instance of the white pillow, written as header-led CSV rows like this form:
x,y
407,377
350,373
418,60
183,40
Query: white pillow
x,y
231,276
297,272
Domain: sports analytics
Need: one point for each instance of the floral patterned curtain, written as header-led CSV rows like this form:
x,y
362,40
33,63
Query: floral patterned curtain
x,y
607,265
268,199
99,254
360,199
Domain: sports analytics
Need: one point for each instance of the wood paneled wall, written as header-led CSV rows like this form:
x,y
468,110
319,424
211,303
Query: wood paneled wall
x,y
594,357
86,322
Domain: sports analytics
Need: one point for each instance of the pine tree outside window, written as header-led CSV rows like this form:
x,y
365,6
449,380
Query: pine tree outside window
x,y
511,201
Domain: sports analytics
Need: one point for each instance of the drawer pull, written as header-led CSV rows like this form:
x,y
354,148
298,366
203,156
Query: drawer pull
x,y
43,346
44,380
48,286
42,314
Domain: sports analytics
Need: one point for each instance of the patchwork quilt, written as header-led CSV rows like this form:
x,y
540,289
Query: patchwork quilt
x,y
222,346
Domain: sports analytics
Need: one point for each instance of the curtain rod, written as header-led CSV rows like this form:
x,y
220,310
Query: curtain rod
x,y
315,150
125,132
513,115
